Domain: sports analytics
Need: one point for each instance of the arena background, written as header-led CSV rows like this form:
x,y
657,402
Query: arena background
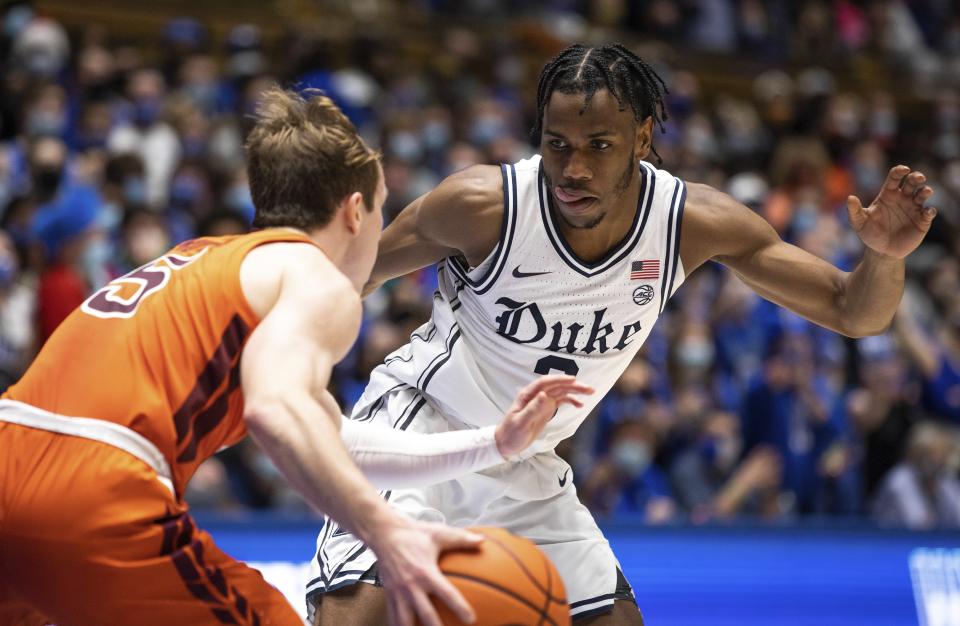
x,y
749,467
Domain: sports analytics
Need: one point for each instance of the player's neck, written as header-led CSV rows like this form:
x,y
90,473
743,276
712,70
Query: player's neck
x,y
591,244
336,247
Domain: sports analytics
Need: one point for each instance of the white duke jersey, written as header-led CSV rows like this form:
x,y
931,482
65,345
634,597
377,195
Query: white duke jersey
x,y
532,307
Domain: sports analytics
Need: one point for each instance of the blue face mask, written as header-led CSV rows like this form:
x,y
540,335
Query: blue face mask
x,y
405,146
135,191
8,271
436,135
486,129
95,258
204,95
147,111
43,124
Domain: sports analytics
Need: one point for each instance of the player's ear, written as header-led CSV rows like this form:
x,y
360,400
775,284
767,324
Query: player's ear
x,y
351,210
644,137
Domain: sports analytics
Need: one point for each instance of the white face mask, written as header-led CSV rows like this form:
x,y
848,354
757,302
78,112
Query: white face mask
x,y
695,354
631,457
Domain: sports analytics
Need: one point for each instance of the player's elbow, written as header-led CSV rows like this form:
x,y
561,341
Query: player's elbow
x,y
261,414
857,317
861,330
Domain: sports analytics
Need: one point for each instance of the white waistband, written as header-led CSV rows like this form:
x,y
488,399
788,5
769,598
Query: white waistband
x,y
99,430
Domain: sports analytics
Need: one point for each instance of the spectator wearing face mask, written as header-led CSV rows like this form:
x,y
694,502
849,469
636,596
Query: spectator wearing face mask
x,y
67,233
788,407
922,491
147,134
625,481
17,302
709,484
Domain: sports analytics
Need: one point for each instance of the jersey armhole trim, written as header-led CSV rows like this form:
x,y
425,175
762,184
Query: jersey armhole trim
x,y
508,227
672,256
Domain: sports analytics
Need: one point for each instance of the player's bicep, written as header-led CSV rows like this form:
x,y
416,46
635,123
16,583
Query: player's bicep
x,y
779,271
408,244
461,216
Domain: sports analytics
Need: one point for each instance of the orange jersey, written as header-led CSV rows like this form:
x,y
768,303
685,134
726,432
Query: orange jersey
x,y
158,351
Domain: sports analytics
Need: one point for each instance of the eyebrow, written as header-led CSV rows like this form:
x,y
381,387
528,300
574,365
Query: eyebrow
x,y
599,133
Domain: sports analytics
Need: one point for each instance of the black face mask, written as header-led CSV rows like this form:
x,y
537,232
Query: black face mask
x,y
46,181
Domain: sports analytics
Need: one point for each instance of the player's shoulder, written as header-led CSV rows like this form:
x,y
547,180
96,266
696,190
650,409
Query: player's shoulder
x,y
298,267
477,186
704,202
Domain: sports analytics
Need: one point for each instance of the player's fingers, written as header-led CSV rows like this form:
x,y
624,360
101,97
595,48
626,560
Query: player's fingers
x,y
570,400
545,382
451,596
895,176
563,389
425,610
398,611
855,211
911,182
448,538
529,392
922,194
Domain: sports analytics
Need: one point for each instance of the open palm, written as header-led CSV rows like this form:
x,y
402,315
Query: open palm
x,y
897,221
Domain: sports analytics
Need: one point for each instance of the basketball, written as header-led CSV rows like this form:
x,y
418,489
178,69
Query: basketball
x,y
509,581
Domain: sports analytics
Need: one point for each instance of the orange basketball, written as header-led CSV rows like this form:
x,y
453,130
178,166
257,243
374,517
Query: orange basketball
x,y
508,581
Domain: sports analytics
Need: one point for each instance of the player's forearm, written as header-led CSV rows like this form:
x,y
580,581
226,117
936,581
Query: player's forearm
x,y
871,294
394,459
303,441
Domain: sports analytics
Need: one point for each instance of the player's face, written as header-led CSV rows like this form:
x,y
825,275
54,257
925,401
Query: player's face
x,y
370,229
590,156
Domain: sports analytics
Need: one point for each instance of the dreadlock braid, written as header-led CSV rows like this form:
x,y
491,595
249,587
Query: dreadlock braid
x,y
579,69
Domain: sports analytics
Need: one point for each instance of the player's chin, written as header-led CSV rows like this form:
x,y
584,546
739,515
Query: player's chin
x,y
586,213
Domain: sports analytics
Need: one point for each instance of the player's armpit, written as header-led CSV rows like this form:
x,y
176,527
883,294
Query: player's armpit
x,y
461,216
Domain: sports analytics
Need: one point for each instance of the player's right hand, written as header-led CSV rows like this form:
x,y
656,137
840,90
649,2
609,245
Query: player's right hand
x,y
407,553
535,405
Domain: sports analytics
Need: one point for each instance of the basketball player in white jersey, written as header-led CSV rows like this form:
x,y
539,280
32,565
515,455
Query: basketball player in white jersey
x,y
563,263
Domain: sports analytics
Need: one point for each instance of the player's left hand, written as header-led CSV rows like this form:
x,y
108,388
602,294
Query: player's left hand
x,y
896,222
535,405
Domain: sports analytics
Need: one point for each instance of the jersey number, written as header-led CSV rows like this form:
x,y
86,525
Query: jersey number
x,y
554,362
145,280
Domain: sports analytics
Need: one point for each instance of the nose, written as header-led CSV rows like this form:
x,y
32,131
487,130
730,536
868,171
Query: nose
x,y
576,168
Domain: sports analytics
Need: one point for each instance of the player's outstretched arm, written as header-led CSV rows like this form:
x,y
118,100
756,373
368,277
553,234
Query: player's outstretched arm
x,y
307,326
395,459
461,216
856,304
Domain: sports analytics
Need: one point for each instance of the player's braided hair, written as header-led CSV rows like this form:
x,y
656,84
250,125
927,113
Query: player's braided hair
x,y
583,69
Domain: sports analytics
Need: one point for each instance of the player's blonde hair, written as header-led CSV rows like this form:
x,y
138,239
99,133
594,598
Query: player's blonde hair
x,y
303,157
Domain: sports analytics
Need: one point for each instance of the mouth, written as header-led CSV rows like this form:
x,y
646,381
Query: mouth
x,y
575,201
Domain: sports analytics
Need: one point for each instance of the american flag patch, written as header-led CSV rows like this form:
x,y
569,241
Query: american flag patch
x,y
648,269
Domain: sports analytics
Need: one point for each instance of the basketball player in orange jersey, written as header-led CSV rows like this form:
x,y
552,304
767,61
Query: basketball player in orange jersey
x,y
564,262
163,367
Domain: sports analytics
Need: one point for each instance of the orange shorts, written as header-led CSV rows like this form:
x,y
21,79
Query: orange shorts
x,y
89,536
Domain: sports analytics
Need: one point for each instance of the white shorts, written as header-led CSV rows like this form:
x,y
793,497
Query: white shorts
x,y
534,498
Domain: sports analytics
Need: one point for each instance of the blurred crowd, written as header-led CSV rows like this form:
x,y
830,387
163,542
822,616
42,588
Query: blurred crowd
x,y
113,150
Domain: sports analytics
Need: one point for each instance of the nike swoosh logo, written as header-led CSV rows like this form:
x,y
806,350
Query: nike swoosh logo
x,y
563,481
518,274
